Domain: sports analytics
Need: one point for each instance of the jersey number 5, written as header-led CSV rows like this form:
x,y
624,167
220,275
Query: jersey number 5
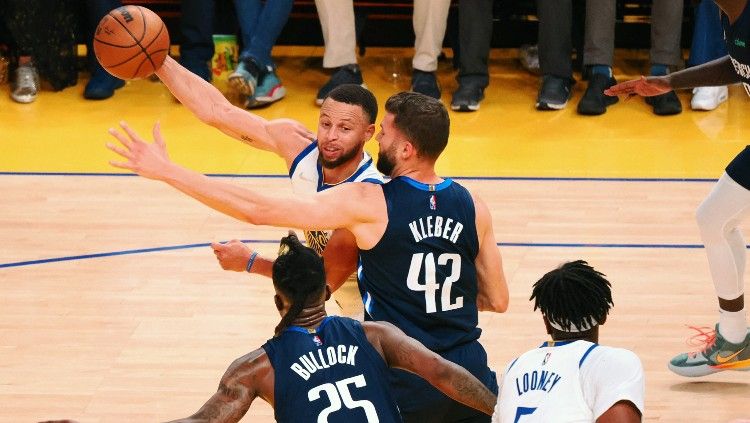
x,y
340,392
430,285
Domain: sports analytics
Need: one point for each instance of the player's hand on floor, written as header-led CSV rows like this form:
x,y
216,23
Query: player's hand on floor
x,y
147,159
645,86
232,255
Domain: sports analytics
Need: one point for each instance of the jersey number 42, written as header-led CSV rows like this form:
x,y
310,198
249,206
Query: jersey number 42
x,y
431,286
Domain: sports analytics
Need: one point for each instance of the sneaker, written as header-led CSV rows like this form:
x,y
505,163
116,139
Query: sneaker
x,y
425,83
554,93
26,86
665,104
244,79
594,102
348,74
268,91
718,354
708,98
529,56
467,97
102,85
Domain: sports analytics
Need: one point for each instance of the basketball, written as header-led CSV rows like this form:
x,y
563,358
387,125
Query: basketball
x,y
131,42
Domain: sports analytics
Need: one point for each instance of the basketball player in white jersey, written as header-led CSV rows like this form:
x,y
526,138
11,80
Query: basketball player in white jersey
x,y
572,378
315,163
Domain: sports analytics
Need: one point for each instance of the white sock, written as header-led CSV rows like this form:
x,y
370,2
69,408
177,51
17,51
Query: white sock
x,y
733,325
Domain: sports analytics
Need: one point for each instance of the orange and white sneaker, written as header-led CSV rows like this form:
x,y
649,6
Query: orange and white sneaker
x,y
717,355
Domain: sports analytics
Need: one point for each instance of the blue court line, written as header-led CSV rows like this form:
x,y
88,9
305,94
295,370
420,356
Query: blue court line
x,y
469,178
268,241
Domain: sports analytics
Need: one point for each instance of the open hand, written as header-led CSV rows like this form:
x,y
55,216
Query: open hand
x,y
645,86
149,160
232,255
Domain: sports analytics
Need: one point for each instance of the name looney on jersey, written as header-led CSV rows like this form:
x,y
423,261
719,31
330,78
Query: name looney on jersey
x,y
324,358
436,227
537,380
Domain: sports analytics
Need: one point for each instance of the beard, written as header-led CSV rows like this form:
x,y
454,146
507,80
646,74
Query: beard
x,y
385,164
343,158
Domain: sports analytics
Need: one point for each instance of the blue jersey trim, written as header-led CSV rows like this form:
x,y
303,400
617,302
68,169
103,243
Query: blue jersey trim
x,y
323,186
586,354
373,181
511,364
301,156
427,187
557,343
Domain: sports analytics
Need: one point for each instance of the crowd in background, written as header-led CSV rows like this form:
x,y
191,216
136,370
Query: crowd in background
x,y
42,40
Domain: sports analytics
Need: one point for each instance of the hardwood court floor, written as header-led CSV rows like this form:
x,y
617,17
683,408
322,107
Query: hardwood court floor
x,y
112,308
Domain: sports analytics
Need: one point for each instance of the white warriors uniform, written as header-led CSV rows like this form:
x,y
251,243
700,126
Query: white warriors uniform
x,y
568,381
306,174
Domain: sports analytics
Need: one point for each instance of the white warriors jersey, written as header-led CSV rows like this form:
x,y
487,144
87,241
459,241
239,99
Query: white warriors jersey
x,y
566,382
306,174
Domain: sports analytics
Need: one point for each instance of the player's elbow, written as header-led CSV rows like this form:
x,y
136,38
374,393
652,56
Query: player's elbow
x,y
498,304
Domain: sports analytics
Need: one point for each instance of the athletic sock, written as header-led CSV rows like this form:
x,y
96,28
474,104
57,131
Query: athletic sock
x,y
733,325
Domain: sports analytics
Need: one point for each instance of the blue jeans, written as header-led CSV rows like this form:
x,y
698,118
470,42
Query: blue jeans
x,y
708,35
260,25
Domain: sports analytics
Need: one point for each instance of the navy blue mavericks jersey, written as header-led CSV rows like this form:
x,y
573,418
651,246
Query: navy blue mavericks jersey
x,y
332,374
737,40
421,274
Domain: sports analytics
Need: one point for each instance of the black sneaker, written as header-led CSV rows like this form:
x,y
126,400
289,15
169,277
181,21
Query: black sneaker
x,y
347,74
554,93
425,83
665,104
467,97
594,101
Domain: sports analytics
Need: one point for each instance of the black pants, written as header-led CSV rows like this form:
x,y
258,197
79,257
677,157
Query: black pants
x,y
474,37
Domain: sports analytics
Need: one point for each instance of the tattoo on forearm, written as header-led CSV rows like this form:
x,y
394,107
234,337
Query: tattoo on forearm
x,y
246,138
227,405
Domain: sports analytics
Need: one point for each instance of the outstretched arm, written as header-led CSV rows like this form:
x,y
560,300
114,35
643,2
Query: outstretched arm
x,y
240,385
284,137
406,353
717,72
492,294
340,258
355,206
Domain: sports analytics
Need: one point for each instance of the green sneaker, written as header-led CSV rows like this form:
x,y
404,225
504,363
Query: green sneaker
x,y
717,355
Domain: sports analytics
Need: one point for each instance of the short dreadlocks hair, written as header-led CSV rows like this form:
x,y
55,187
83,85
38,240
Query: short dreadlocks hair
x,y
574,294
298,273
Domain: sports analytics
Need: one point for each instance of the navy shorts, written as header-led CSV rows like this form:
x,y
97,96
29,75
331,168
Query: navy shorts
x,y
419,402
739,168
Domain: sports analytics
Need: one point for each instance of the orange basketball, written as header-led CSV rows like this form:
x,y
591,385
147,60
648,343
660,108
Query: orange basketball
x,y
131,42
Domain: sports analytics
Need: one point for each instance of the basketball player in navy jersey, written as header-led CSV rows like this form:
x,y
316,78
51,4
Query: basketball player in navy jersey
x,y
332,369
572,378
725,207
429,256
314,162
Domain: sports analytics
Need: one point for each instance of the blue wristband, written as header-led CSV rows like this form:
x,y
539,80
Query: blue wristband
x,y
251,261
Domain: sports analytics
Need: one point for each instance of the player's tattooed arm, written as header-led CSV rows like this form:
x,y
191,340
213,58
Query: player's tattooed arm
x,y
236,392
409,354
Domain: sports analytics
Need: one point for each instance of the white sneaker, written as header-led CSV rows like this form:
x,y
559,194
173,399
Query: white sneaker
x,y
708,98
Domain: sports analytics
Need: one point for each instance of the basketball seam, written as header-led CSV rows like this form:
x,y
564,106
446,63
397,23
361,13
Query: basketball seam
x,y
137,42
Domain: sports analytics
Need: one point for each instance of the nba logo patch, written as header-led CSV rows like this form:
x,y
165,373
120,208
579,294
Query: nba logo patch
x,y
318,342
433,202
